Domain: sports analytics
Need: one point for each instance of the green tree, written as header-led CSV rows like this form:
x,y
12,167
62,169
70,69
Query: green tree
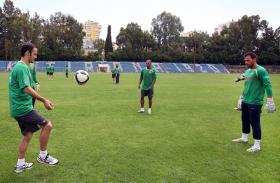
x,y
99,45
2,34
166,29
62,38
108,44
197,43
267,49
12,30
277,43
134,41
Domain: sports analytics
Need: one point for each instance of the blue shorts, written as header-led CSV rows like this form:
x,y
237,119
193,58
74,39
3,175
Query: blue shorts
x,y
251,117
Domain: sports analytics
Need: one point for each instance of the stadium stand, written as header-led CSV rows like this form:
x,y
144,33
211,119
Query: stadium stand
x,y
3,66
125,66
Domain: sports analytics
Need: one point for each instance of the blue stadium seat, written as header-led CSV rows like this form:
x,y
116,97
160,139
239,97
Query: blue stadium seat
x,y
127,67
3,65
170,67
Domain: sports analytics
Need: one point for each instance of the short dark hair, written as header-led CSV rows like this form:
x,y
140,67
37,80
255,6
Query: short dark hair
x,y
251,54
26,47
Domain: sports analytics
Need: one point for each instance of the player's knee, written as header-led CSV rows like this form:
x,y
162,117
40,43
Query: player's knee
x,y
28,136
49,126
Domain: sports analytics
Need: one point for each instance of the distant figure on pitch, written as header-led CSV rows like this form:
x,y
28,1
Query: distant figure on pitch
x,y
117,74
66,70
50,71
256,84
29,120
113,74
148,79
32,69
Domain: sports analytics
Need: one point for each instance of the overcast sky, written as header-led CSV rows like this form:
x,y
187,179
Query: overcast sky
x,y
204,15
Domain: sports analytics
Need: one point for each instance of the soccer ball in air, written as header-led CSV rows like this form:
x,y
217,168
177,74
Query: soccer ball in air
x,y
81,77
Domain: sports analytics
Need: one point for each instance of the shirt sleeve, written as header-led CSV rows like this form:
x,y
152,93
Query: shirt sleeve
x,y
263,75
141,75
23,78
34,75
154,75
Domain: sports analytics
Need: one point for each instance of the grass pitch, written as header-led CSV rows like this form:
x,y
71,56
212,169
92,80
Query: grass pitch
x,y
98,135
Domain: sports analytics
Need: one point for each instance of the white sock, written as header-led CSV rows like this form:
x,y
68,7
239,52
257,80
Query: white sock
x,y
150,109
43,154
20,162
257,143
142,109
244,136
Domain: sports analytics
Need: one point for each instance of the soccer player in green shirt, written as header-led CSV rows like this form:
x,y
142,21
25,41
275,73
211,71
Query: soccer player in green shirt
x,y
66,70
113,74
29,120
117,72
32,70
256,84
148,79
50,71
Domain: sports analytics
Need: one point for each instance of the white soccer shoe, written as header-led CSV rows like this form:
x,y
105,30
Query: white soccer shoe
x,y
48,160
141,111
254,149
25,166
149,111
240,140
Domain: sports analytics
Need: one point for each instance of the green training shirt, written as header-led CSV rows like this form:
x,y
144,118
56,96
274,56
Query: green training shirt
x,y
117,70
147,76
50,69
20,101
113,70
33,72
255,85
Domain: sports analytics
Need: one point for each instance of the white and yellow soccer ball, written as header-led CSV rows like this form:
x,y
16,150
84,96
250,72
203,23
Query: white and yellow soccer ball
x,y
81,77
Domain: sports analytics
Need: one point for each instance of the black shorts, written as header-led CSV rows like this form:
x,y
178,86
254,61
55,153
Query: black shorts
x,y
113,75
149,93
31,122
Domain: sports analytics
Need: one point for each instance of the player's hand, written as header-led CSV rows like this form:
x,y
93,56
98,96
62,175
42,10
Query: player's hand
x,y
239,103
270,105
48,105
138,86
37,87
240,78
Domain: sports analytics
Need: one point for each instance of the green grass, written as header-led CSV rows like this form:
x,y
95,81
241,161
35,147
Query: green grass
x,y
99,137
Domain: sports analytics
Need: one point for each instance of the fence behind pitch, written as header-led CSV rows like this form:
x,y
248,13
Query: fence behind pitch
x,y
60,66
